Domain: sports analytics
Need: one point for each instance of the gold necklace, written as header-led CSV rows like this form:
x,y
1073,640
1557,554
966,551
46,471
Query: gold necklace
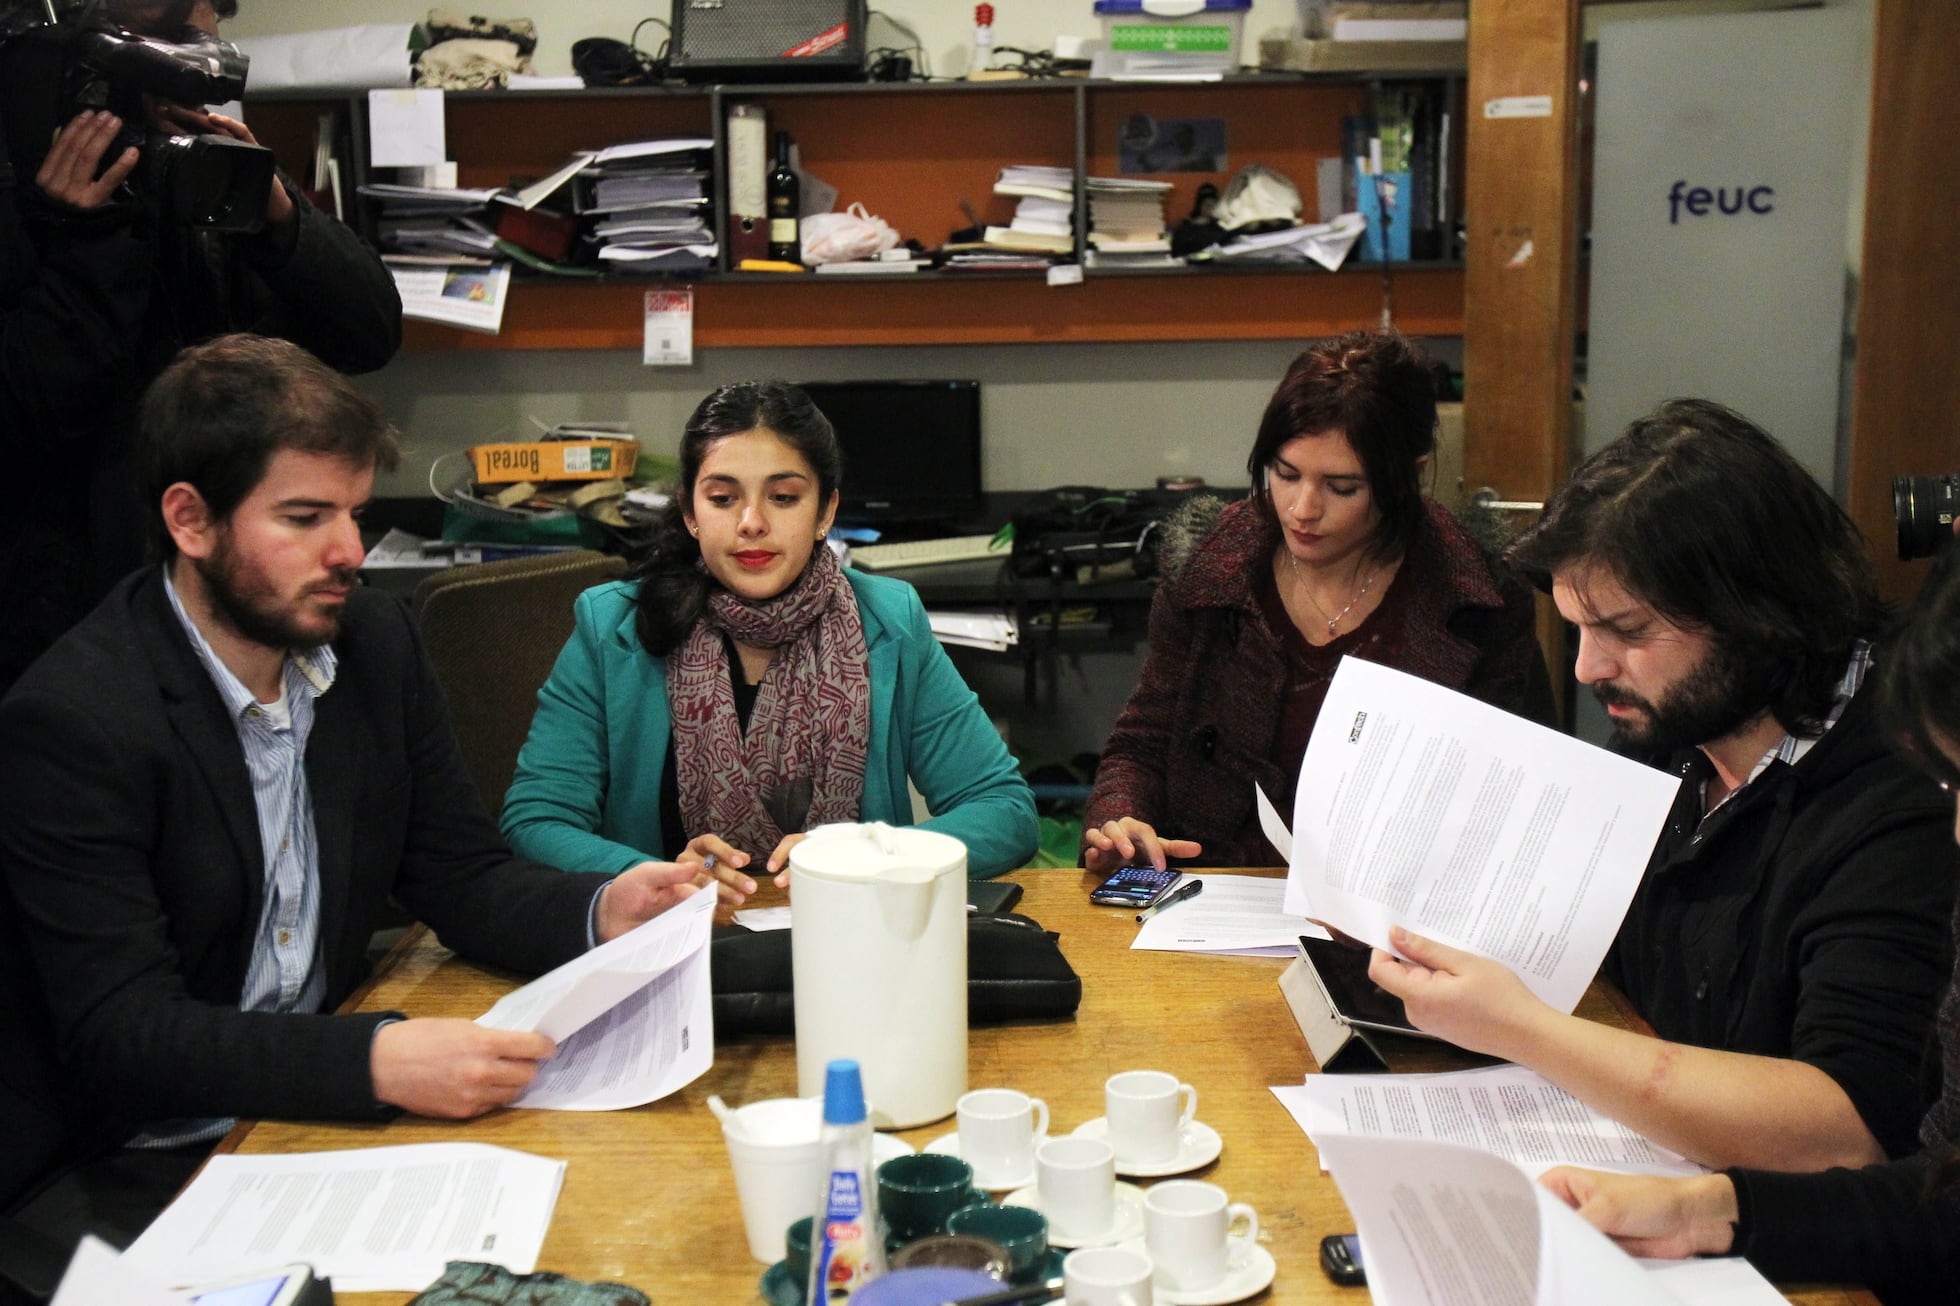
x,y
1333,622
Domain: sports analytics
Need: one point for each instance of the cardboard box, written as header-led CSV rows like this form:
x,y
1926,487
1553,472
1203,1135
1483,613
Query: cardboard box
x,y
554,460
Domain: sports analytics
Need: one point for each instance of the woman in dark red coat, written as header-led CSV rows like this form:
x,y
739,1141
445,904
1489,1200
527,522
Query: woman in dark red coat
x,y
1336,552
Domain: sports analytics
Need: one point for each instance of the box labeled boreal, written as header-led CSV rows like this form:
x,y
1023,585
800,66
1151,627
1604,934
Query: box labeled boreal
x,y
554,460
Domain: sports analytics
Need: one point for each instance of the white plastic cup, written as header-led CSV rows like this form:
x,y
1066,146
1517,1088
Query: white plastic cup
x,y
1187,1225
998,1127
774,1151
1143,1112
1077,1181
1106,1276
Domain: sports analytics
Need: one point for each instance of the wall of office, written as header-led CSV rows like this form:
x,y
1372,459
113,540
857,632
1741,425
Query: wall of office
x,y
943,27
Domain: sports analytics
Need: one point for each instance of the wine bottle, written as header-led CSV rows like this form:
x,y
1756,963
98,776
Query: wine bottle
x,y
785,201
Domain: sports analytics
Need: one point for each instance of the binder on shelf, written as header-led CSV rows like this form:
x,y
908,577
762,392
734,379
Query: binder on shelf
x,y
748,183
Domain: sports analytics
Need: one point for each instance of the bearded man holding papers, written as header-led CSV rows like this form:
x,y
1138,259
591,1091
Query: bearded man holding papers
x,y
212,786
1787,939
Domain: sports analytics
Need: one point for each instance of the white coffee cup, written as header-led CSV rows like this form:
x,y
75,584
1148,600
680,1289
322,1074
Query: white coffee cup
x,y
1077,1180
1106,1276
778,1164
998,1127
1142,1112
1187,1225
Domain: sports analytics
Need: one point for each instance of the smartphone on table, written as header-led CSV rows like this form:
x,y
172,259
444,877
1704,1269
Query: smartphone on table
x,y
1340,1256
1135,887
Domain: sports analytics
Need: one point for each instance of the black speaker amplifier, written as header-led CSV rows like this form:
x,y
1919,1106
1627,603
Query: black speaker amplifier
x,y
767,40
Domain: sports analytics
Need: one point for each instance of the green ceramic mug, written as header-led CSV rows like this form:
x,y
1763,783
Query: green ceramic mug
x,y
917,1193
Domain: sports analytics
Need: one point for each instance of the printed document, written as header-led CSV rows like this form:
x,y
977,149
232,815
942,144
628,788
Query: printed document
x,y
1422,807
633,1019
1509,1111
381,1219
1237,914
1444,1225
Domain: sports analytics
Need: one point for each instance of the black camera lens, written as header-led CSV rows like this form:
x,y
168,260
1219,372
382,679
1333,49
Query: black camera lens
x,y
1923,509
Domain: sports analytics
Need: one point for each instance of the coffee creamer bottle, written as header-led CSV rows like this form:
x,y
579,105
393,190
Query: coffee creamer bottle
x,y
845,1245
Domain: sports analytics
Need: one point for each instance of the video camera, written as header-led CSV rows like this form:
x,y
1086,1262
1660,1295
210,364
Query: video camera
x,y
1923,509
53,69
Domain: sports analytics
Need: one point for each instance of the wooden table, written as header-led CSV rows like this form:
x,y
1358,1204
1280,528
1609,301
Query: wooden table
x,y
648,1196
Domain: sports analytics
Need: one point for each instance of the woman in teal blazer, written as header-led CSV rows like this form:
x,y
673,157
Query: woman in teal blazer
x,y
787,691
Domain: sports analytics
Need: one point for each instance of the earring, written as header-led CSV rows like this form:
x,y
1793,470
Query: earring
x,y
821,534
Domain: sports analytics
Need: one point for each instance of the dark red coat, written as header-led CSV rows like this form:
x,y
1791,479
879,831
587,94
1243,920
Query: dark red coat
x,y
1202,723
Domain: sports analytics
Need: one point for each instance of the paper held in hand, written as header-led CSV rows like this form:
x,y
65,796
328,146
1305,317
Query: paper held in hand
x,y
1422,807
633,1019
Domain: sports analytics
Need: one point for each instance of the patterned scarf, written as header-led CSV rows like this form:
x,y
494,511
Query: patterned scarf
x,y
801,763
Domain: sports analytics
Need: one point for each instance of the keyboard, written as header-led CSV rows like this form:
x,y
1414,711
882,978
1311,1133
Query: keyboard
x,y
925,553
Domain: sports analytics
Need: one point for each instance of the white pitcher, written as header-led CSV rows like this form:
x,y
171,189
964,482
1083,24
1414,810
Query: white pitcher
x,y
878,946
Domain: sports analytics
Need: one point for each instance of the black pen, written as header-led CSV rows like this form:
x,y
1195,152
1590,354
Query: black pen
x,y
1188,890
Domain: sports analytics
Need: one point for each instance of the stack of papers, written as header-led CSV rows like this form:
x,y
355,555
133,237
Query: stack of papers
x,y
433,224
1126,223
1325,243
995,631
382,1219
648,203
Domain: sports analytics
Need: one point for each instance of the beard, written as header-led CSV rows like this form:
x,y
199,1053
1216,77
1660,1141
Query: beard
x,y
1711,702
247,601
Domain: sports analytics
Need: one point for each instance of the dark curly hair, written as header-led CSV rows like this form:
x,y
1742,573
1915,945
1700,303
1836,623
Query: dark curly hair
x,y
1703,516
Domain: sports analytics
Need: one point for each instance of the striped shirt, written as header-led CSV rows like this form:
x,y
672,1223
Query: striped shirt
x,y
285,974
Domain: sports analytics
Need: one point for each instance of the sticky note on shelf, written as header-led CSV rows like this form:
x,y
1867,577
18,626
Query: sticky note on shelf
x,y
405,129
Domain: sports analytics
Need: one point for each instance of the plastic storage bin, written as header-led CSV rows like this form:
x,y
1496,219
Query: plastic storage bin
x,y
1186,35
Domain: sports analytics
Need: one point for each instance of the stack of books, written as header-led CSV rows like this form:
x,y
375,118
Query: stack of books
x,y
1126,223
1044,215
647,205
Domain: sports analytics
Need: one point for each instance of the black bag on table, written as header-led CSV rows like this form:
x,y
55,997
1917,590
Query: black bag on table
x,y
1015,970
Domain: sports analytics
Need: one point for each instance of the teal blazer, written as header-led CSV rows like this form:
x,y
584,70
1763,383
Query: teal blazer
x,y
586,796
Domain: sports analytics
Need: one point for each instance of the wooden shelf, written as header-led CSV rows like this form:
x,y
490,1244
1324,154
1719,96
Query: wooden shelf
x,y
911,153
929,310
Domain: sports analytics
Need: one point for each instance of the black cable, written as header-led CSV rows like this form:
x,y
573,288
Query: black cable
x,y
923,64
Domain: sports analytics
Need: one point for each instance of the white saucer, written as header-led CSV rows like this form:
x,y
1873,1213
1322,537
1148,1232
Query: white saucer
x,y
1198,1144
886,1146
1129,1216
1249,1268
949,1145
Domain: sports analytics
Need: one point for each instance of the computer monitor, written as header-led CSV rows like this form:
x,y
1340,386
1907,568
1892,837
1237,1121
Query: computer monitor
x,y
911,449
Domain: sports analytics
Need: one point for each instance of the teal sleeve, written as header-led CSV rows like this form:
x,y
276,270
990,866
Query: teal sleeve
x,y
958,761
555,807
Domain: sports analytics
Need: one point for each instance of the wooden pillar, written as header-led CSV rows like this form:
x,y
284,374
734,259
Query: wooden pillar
x,y
1905,407
1520,212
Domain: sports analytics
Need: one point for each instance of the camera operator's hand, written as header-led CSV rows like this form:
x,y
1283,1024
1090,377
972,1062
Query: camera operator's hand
x,y
279,206
67,174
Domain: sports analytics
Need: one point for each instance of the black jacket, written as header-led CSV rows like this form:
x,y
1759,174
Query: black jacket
x,y
133,873
92,306
1805,918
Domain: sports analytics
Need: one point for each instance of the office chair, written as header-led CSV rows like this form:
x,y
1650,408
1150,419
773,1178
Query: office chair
x,y
493,632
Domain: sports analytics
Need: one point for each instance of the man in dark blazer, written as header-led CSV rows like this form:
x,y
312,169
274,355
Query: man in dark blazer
x,y
162,870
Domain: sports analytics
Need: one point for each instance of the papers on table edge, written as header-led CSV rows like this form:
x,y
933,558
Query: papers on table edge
x,y
1236,914
1432,1213
426,1204
1423,807
633,1018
